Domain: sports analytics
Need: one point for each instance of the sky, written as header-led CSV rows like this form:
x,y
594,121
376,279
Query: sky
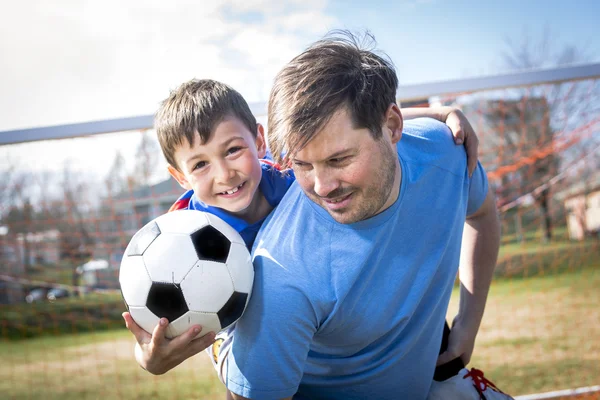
x,y
68,61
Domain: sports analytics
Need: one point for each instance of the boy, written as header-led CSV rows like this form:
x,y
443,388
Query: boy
x,y
215,150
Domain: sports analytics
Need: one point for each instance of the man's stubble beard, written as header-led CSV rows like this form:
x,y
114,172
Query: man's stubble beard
x,y
371,198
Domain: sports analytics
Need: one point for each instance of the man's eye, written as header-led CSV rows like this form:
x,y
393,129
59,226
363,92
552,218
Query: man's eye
x,y
338,160
299,164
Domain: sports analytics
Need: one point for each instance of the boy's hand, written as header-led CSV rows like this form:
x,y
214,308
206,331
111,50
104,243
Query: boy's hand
x,y
463,132
157,354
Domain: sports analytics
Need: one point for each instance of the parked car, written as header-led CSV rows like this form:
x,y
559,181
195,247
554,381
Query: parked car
x,y
57,293
36,295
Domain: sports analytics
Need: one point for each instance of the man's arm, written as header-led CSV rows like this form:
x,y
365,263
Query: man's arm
x,y
479,252
458,124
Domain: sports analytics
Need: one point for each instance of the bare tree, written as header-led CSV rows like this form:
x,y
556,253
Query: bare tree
x,y
117,178
76,231
146,159
541,113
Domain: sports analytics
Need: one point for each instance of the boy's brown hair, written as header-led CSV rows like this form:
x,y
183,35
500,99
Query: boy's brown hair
x,y
195,108
337,71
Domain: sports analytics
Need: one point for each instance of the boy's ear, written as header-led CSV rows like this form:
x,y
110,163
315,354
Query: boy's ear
x,y
179,177
261,144
394,123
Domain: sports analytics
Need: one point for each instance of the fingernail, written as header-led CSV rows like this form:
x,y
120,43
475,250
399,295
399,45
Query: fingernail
x,y
196,330
459,141
163,322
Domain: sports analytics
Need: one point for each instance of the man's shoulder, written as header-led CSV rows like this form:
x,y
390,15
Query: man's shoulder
x,y
428,129
427,141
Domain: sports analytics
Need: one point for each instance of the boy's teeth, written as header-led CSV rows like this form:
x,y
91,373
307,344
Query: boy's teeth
x,y
232,191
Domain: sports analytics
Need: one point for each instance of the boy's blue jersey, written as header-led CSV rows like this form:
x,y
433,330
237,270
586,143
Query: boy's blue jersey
x,y
273,185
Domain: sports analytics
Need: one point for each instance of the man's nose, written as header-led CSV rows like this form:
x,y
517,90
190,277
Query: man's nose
x,y
325,183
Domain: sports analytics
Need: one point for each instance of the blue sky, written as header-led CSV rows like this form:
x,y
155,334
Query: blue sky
x,y
72,61
80,60
439,40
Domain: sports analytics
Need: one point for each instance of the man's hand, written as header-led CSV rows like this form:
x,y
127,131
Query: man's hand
x,y
461,343
157,354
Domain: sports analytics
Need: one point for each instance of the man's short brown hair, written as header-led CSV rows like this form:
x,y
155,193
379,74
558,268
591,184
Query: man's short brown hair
x,y
337,71
195,108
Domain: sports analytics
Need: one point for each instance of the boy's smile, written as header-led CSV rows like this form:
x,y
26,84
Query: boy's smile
x,y
233,192
225,171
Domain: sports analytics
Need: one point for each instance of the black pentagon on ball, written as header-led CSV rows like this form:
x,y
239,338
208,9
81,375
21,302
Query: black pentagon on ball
x,y
143,238
233,309
166,300
210,244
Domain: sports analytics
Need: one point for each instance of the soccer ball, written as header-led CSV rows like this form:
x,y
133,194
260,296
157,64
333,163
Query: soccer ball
x,y
190,267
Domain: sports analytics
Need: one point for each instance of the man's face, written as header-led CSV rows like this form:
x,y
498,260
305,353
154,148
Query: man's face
x,y
347,172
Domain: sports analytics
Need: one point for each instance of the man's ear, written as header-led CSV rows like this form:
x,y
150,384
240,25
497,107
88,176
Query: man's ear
x,y
394,123
261,144
179,177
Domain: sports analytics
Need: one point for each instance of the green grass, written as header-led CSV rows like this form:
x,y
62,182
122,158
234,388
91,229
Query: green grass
x,y
92,312
96,365
540,333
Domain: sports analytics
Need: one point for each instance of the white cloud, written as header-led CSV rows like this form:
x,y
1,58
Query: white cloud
x,y
80,60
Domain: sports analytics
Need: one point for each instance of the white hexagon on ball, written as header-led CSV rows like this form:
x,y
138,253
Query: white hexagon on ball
x,y
207,286
209,322
182,221
135,281
240,266
166,265
144,318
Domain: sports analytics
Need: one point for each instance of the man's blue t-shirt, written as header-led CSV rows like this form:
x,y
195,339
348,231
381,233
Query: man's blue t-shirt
x,y
273,185
355,311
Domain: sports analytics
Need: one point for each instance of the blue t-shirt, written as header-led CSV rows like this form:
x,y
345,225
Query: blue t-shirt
x,y
273,185
355,311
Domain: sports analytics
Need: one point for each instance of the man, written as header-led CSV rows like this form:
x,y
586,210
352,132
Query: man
x,y
355,267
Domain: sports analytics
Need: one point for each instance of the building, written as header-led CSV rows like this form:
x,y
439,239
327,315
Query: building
x,y
582,205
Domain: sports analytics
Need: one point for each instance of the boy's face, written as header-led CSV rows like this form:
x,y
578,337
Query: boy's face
x,y
225,171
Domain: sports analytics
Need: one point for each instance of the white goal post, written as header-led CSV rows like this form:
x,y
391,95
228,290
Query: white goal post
x,y
406,93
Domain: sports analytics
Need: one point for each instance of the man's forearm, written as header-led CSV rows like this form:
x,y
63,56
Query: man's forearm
x,y
479,253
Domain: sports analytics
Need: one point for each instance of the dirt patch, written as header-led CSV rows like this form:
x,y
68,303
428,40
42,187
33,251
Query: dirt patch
x,y
101,358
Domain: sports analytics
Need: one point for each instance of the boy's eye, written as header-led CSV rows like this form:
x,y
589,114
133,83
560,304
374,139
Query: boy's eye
x,y
199,165
234,149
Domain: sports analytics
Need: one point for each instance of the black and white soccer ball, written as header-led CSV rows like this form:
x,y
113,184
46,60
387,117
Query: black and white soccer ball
x,y
190,267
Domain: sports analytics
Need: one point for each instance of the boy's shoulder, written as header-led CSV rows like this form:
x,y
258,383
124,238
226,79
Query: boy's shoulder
x,y
183,202
275,181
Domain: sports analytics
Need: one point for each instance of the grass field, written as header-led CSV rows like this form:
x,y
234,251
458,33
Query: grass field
x,y
540,333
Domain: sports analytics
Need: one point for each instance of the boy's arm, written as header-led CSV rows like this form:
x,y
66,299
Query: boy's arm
x,y
157,354
479,252
458,124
